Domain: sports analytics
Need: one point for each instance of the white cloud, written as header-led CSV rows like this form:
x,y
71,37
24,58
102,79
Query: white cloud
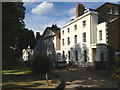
x,y
72,17
72,11
43,8
62,22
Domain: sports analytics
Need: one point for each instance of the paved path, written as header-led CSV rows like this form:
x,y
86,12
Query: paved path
x,y
77,78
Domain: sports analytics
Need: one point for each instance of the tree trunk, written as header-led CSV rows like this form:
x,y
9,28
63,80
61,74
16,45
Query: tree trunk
x,y
47,83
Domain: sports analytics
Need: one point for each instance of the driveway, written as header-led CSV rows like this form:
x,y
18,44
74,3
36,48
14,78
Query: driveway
x,y
79,77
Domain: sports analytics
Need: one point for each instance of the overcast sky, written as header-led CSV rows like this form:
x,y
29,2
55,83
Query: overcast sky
x,y
39,15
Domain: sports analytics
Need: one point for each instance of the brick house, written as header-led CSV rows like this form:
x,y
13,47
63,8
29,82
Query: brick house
x,y
110,13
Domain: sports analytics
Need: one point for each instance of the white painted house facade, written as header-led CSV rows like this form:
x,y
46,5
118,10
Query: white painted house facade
x,y
27,54
83,40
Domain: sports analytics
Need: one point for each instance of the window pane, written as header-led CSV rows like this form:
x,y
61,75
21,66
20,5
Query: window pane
x,y
109,11
68,40
68,30
116,11
75,27
84,23
69,55
63,32
76,54
100,34
75,38
63,55
63,41
85,55
84,37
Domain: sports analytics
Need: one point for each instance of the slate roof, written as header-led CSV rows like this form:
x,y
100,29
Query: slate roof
x,y
51,31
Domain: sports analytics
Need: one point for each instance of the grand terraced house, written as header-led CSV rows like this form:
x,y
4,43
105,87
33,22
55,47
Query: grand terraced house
x,y
93,36
89,38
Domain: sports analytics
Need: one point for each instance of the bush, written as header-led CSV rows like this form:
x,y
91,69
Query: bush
x,y
28,63
41,64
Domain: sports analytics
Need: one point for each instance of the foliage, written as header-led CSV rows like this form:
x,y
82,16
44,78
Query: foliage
x,y
12,23
26,37
117,59
14,35
42,64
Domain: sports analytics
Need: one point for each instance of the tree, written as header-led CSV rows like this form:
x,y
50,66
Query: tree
x,y
42,65
26,38
12,24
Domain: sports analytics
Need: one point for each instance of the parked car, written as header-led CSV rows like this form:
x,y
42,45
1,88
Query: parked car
x,y
61,64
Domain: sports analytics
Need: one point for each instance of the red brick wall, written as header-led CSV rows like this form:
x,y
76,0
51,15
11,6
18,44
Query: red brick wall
x,y
114,34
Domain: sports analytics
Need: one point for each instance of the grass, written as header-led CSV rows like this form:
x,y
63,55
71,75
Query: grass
x,y
21,77
109,75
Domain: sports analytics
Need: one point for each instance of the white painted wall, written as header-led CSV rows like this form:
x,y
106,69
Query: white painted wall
x,y
103,27
92,37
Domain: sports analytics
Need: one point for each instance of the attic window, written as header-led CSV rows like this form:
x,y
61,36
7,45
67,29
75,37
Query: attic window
x,y
109,10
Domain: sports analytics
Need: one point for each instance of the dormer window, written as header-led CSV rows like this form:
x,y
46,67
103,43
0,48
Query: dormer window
x,y
116,11
109,11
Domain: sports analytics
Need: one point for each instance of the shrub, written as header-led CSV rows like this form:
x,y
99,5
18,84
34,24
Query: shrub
x,y
41,64
28,63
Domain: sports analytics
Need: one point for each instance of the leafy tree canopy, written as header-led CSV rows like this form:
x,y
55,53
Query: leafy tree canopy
x,y
14,35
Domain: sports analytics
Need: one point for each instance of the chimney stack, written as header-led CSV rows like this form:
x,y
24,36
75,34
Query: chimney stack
x,y
79,10
38,36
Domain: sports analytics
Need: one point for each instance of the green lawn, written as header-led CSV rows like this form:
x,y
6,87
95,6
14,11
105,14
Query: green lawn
x,y
21,77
